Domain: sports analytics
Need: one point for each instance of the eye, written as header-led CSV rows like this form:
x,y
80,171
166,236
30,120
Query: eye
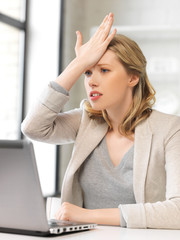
x,y
88,73
104,70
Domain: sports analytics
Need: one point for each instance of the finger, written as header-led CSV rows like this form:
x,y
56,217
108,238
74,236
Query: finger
x,y
64,217
61,216
60,212
102,25
109,38
109,23
79,41
106,19
106,28
111,14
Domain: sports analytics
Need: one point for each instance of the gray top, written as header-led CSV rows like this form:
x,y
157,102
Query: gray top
x,y
103,184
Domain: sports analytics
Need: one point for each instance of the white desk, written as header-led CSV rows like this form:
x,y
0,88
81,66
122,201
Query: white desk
x,y
107,233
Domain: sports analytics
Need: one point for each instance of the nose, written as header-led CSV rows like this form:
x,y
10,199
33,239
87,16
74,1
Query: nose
x,y
92,81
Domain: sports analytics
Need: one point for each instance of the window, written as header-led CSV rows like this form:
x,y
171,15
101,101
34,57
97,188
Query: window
x,y
42,39
12,42
14,9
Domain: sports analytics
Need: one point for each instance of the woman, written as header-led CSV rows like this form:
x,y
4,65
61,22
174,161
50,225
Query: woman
x,y
125,165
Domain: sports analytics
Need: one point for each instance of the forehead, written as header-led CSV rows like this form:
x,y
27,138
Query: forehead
x,y
109,58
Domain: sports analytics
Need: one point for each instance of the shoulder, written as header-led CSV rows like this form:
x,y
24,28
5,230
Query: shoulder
x,y
162,123
159,123
158,118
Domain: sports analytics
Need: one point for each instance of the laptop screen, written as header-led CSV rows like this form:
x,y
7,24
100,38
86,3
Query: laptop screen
x,y
21,203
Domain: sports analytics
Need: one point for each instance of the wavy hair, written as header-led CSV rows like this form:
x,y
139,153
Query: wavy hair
x,y
134,62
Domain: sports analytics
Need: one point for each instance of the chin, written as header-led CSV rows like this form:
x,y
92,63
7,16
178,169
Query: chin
x,y
97,107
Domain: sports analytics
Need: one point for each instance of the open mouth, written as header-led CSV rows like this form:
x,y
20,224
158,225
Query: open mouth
x,y
95,95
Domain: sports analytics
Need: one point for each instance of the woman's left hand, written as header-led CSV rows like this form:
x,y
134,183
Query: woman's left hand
x,y
71,212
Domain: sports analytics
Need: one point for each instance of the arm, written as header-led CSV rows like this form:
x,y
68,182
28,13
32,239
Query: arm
x,y
44,122
70,212
161,214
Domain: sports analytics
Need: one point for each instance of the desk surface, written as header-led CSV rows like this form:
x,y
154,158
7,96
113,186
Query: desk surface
x,y
104,233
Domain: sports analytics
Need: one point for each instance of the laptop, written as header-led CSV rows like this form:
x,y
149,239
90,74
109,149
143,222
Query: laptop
x,y
22,206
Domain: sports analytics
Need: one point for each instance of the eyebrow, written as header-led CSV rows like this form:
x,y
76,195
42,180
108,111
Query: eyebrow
x,y
100,64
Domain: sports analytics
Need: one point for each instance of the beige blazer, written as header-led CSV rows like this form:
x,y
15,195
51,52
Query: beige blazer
x,y
156,175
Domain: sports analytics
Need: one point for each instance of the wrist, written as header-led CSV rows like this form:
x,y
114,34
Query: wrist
x,y
80,62
71,73
109,216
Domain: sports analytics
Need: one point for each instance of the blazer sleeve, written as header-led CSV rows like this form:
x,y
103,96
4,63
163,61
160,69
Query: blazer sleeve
x,y
45,122
160,214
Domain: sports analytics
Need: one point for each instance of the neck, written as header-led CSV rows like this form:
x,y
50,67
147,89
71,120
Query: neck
x,y
117,112
116,117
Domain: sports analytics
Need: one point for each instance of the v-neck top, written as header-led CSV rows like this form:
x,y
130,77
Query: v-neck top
x,y
104,185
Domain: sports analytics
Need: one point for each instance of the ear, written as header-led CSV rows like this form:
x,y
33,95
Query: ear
x,y
133,80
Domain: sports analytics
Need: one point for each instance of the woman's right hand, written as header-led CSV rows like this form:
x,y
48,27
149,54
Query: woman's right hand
x,y
88,54
93,50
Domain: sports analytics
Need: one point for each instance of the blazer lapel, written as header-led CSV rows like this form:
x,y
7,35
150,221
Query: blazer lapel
x,y
90,138
143,139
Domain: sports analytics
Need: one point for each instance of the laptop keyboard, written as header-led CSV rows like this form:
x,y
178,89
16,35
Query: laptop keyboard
x,y
54,222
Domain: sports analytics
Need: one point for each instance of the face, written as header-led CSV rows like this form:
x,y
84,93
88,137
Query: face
x,y
107,84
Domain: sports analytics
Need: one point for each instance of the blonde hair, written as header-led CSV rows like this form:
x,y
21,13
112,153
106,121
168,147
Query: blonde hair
x,y
133,60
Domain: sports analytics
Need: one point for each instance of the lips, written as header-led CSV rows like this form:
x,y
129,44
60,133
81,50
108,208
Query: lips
x,y
94,95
